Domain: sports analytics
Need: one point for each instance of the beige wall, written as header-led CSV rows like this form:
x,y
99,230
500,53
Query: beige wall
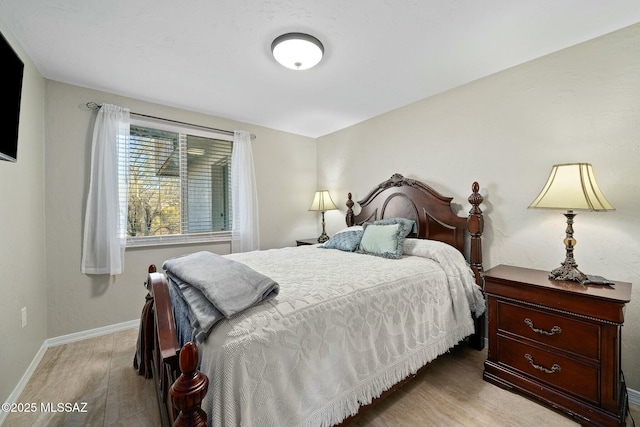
x,y
22,248
506,131
286,179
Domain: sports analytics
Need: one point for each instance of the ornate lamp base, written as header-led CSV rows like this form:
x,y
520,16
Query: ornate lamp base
x,y
569,269
568,272
323,237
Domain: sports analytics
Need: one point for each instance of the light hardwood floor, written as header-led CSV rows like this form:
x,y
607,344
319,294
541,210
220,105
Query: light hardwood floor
x,y
99,372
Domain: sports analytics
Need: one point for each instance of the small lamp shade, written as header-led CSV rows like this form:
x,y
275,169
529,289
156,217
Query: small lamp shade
x,y
572,186
322,202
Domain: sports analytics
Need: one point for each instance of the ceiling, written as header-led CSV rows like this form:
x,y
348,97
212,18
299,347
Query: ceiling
x,y
213,56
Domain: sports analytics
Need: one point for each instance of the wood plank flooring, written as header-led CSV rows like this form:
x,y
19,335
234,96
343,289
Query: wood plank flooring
x,y
98,372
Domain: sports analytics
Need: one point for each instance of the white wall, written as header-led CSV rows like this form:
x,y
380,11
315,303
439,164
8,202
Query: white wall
x,y
286,179
22,248
506,131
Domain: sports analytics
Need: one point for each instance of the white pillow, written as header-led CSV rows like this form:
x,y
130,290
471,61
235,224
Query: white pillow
x,y
426,248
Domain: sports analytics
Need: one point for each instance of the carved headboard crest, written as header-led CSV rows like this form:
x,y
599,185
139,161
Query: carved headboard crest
x,y
397,180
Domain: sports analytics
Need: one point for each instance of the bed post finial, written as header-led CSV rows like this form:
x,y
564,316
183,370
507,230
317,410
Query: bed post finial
x,y
189,389
349,217
475,225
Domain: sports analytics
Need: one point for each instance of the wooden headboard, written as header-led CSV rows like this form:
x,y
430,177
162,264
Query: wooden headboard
x,y
435,219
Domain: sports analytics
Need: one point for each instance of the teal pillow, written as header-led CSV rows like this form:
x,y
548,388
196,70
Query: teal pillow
x,y
384,240
345,241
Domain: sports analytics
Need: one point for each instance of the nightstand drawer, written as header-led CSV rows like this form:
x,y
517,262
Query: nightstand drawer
x,y
561,372
550,329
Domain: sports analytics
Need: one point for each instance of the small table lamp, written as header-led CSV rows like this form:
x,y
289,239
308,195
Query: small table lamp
x,y
572,187
322,202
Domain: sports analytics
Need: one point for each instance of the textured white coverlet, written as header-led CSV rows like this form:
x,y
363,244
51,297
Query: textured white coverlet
x,y
344,328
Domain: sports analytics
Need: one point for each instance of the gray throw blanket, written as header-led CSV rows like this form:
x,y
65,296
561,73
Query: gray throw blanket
x,y
215,287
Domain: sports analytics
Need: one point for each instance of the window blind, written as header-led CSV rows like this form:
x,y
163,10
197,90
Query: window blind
x,y
179,185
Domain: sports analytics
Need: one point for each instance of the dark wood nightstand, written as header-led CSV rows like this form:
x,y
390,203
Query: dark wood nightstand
x,y
558,342
302,242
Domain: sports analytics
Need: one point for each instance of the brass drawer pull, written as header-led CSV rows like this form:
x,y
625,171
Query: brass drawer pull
x,y
553,331
554,368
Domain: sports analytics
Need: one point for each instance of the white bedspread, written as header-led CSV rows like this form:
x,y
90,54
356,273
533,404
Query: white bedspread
x,y
344,328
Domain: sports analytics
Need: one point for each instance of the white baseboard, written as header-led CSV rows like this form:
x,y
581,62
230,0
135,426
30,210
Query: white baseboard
x,y
15,394
56,341
91,333
634,396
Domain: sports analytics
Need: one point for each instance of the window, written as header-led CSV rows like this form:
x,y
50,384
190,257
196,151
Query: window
x,y
179,186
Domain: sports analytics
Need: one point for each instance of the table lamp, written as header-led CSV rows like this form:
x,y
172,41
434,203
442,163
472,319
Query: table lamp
x,y
322,202
571,186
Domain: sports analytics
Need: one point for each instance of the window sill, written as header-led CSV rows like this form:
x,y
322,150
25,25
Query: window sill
x,y
183,239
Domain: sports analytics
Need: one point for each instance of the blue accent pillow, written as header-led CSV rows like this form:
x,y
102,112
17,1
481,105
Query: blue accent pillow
x,y
345,241
383,240
407,225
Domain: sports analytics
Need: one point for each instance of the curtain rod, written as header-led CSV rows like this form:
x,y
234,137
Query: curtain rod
x,y
94,106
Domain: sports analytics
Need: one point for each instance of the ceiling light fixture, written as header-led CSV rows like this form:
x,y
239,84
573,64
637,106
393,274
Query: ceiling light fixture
x,y
297,51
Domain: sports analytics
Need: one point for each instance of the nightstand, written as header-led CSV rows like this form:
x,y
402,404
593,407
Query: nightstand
x,y
558,342
302,242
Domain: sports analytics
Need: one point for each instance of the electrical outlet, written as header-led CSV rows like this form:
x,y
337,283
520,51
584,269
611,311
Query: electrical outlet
x,y
24,316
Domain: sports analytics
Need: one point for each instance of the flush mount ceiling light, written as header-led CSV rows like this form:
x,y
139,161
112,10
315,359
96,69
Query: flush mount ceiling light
x,y
297,51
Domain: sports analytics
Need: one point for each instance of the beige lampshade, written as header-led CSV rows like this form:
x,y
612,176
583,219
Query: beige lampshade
x,y
572,186
322,202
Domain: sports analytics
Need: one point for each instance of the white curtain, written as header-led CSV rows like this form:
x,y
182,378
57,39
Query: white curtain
x,y
244,198
105,224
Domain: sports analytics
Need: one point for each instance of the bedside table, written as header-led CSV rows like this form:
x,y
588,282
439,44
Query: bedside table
x,y
558,342
302,242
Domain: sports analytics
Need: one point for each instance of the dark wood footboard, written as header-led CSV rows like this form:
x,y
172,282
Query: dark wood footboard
x,y
189,389
164,358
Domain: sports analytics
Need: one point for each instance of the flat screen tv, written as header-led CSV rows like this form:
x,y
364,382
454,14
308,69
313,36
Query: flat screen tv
x,y
11,83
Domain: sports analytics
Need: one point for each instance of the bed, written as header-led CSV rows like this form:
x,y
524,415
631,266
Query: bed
x,y
344,329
